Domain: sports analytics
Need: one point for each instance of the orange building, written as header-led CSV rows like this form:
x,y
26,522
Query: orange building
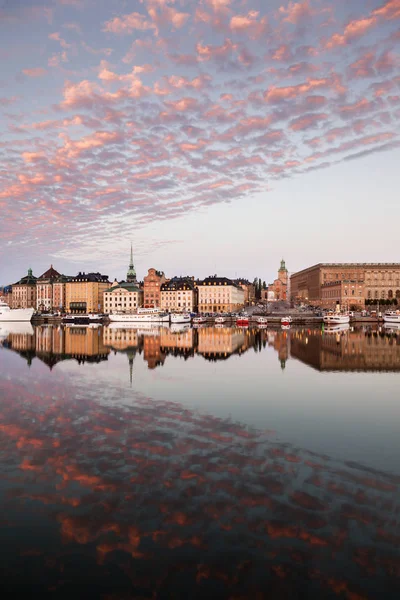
x,y
152,288
24,292
278,289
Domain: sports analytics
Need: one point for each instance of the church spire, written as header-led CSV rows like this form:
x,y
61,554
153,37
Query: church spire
x,y
131,274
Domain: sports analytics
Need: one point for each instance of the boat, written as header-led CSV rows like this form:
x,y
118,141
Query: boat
x,y
220,320
392,316
15,314
286,321
336,318
391,327
261,320
82,319
152,315
179,327
199,320
180,318
242,320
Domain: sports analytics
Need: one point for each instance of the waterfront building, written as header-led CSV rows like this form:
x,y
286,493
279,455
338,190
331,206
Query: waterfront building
x,y
152,288
219,294
376,281
6,294
179,294
59,292
123,297
249,290
84,293
278,289
24,292
44,289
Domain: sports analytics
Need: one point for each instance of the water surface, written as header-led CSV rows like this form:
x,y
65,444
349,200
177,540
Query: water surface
x,y
186,463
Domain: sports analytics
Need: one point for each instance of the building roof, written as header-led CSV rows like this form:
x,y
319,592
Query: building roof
x,y
214,280
349,266
27,280
178,283
92,277
49,274
129,287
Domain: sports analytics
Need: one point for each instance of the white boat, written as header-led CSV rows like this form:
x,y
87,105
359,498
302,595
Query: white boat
x,y
15,314
152,315
180,318
179,327
219,320
391,327
199,320
336,318
392,316
286,320
261,320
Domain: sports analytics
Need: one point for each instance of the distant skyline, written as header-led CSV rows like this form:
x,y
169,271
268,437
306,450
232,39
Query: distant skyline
x,y
219,136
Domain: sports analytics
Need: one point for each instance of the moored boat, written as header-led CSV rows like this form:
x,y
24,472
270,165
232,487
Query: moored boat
x,y
15,314
152,315
286,320
242,320
180,318
392,316
336,318
220,320
199,320
261,320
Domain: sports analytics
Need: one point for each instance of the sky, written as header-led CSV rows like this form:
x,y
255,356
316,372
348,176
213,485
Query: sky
x,y
217,136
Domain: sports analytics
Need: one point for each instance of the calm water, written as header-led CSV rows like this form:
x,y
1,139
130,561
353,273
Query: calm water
x,y
195,463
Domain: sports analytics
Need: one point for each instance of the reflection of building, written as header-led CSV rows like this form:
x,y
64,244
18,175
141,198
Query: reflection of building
x,y
349,350
177,342
84,293
85,344
220,343
278,289
120,338
152,352
179,294
377,281
151,288
44,289
219,294
24,292
123,297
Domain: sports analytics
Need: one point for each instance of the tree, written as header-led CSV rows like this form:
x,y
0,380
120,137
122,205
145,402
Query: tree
x,y
264,285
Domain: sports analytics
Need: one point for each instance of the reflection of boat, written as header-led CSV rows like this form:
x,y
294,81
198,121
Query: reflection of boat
x,y
391,326
392,316
335,328
136,326
15,327
285,326
336,318
180,318
15,314
153,315
220,320
261,320
179,327
286,320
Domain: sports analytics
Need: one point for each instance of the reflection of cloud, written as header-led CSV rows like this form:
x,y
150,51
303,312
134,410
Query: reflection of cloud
x,y
156,482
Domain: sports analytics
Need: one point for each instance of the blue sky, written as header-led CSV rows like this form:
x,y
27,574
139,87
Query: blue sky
x,y
216,135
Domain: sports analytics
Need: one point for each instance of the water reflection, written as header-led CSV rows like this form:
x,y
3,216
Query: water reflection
x,y
338,348
153,500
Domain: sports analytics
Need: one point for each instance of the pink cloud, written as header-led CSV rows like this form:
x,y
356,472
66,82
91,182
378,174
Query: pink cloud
x,y
249,24
35,72
56,37
353,30
209,52
276,94
389,10
296,12
307,121
127,24
8,101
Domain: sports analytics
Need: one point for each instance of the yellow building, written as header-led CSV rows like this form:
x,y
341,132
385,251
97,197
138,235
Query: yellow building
x,y
179,295
84,293
123,298
219,295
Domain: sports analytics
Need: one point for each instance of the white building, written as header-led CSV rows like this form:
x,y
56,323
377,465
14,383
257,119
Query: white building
x,y
122,298
179,295
219,294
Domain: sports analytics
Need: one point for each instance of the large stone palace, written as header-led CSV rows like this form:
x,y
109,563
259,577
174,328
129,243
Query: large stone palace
x,y
328,284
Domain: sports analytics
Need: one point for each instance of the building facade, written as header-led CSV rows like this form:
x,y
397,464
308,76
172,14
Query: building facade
x,y
59,292
84,293
219,294
24,292
249,290
44,289
152,288
376,281
6,295
278,289
122,298
179,295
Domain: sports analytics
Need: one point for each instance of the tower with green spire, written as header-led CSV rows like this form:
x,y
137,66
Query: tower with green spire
x,y
283,272
131,274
